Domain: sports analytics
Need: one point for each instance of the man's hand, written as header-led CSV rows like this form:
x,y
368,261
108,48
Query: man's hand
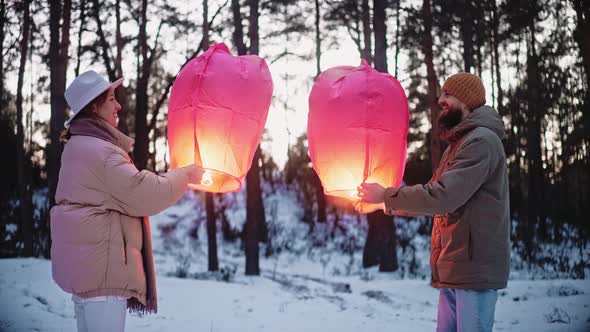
x,y
371,193
364,208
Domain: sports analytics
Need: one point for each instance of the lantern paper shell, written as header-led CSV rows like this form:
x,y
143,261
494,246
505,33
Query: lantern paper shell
x,y
357,129
216,116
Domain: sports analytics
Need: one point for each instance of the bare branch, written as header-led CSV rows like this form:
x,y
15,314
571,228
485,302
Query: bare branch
x,y
153,50
287,53
103,43
160,101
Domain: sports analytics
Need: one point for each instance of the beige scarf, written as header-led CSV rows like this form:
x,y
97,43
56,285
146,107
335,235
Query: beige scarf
x,y
151,296
99,128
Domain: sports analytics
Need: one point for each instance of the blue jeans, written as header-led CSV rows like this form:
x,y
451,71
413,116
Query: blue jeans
x,y
462,310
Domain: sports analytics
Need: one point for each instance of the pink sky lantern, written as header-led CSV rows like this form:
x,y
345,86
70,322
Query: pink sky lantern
x,y
357,129
217,111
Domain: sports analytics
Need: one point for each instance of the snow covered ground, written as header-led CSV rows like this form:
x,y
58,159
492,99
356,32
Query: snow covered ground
x,y
303,286
30,301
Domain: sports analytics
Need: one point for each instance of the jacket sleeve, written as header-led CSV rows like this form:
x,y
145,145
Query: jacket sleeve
x,y
401,213
142,193
464,176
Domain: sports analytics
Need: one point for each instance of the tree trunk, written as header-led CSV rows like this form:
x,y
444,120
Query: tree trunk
x,y
397,13
121,91
496,55
118,40
253,28
380,35
320,197
256,169
141,150
103,41
238,34
318,39
254,216
205,24
467,36
356,28
582,35
479,45
209,201
254,230
2,37
517,182
321,201
535,209
371,249
367,53
211,232
80,31
319,189
388,262
114,68
380,244
492,75
254,213
59,43
436,146
154,151
23,159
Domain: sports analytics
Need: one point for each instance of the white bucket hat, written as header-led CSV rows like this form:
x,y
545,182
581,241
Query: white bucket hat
x,y
84,89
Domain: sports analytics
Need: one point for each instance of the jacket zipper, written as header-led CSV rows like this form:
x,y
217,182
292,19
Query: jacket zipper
x,y
124,241
470,244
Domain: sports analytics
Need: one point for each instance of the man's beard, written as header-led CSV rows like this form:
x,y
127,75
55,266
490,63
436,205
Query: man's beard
x,y
449,119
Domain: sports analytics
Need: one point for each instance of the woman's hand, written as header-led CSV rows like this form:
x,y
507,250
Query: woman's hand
x,y
195,174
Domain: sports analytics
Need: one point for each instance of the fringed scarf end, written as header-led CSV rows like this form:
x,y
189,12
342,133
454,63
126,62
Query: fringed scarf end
x,y
134,306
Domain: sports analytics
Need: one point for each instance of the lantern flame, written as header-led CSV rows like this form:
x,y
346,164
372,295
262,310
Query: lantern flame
x,y
207,179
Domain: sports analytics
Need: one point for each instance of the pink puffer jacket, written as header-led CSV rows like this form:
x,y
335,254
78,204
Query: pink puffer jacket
x,y
96,225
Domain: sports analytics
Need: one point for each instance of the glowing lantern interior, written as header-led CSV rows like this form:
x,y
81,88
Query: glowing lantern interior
x,y
217,111
357,129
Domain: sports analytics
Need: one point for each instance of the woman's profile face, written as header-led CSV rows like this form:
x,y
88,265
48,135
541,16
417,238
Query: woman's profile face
x,y
109,109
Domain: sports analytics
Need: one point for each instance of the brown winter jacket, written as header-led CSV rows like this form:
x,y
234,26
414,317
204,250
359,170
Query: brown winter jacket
x,y
468,196
96,226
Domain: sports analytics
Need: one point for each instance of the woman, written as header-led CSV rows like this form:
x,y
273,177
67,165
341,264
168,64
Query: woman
x,y
101,251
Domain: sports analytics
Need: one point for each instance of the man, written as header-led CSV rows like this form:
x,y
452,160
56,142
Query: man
x,y
468,197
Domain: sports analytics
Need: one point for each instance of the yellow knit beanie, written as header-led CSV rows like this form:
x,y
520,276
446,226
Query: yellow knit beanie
x,y
466,87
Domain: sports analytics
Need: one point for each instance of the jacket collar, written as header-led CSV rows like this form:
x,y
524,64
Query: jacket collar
x,y
96,127
484,116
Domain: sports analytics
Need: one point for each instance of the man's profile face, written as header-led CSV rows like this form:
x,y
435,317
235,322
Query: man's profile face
x,y
452,110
